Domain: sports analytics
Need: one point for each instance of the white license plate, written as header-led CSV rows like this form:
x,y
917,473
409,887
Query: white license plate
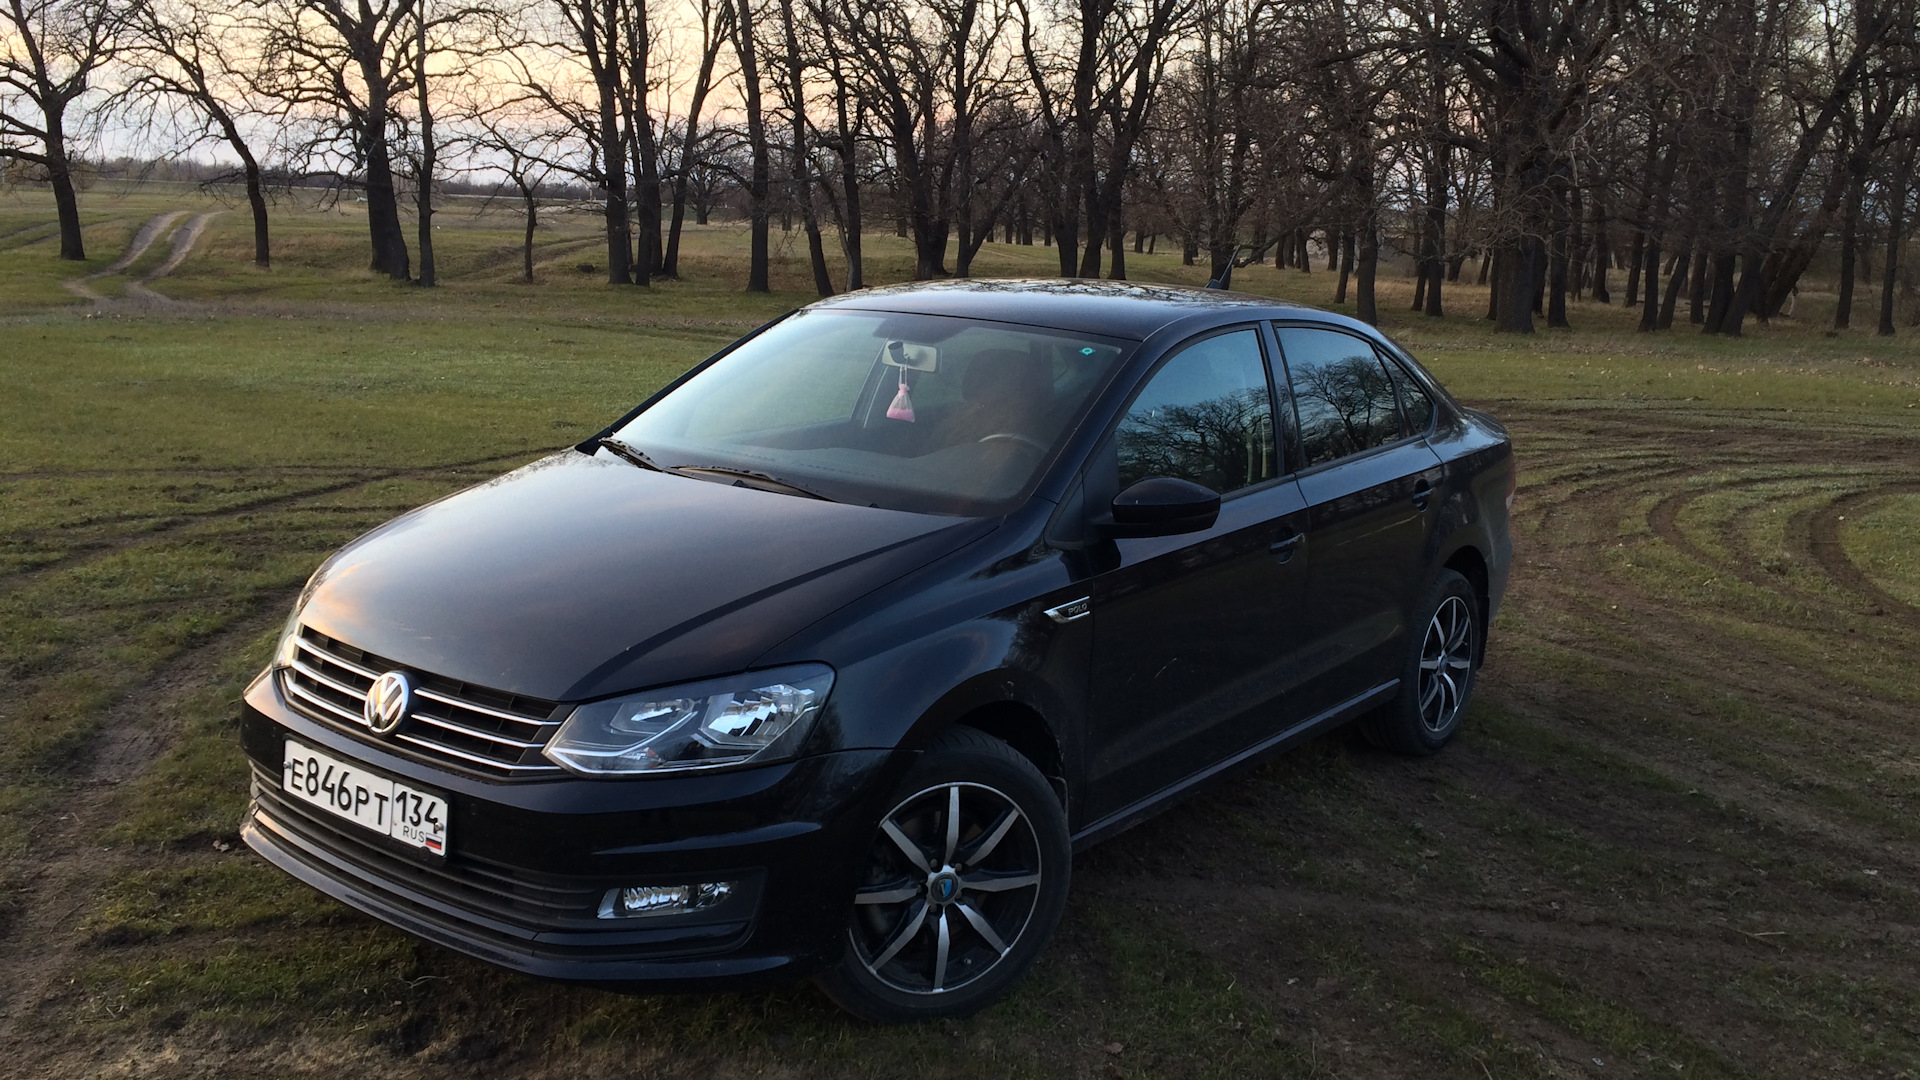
x,y
393,808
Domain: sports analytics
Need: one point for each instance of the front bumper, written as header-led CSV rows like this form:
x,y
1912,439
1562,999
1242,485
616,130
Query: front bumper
x,y
529,860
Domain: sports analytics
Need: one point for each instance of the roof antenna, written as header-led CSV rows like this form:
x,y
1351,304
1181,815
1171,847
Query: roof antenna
x,y
1225,280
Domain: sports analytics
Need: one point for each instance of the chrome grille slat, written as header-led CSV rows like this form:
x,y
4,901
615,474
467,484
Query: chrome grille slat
x,y
443,724
319,702
339,661
475,732
483,710
442,748
326,680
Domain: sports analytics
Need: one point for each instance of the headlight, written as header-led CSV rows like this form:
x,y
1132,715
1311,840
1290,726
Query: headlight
x,y
289,646
760,716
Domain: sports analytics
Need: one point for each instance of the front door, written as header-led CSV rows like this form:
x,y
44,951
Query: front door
x,y
1191,632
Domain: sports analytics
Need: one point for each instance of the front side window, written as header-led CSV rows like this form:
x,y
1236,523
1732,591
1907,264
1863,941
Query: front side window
x,y
1205,416
1343,393
926,413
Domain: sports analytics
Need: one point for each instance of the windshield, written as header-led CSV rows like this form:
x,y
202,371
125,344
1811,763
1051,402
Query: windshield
x,y
909,412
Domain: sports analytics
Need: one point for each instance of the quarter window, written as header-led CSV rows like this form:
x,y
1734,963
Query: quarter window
x,y
1414,402
1344,396
1205,416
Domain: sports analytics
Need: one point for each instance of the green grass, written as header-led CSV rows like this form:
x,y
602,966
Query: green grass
x,y
1881,542
1650,846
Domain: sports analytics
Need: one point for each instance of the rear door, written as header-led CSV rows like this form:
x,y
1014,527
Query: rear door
x,y
1369,482
1191,632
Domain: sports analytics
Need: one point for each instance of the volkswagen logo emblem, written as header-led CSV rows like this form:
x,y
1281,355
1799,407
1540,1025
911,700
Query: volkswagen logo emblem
x,y
943,887
389,701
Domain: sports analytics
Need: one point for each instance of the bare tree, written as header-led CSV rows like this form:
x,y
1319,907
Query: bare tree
x,y
715,20
51,53
187,52
353,63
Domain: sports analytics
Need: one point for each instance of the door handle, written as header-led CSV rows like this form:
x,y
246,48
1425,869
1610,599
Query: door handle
x,y
1422,494
1283,549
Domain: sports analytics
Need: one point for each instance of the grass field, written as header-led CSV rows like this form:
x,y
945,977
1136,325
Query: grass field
x,y
1676,838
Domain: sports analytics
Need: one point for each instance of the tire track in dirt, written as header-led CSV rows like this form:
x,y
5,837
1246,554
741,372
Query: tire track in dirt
x,y
142,240
67,861
1830,551
1621,615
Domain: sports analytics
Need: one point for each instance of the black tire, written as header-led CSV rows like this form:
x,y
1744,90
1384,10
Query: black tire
x,y
1010,827
1436,680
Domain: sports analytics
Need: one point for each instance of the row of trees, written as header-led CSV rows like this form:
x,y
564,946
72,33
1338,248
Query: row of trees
x,y
1710,149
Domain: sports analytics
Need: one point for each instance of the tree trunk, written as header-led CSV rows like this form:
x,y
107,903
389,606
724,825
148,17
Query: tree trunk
x,y
526,247
1365,267
1896,230
689,139
1436,245
801,169
1650,311
1514,283
1681,275
383,206
850,233
1602,256
1849,246
1558,264
1496,292
423,183
257,200
1697,286
256,190
760,183
60,176
1346,267
1635,254
1720,292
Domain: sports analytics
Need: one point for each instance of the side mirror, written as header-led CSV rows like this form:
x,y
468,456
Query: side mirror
x,y
1162,506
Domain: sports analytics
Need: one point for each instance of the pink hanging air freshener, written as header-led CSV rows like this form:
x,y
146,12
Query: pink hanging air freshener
x,y
902,407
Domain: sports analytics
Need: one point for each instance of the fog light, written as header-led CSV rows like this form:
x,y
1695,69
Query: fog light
x,y
642,900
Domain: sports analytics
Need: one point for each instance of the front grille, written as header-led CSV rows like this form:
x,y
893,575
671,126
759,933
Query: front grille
x,y
482,730
510,894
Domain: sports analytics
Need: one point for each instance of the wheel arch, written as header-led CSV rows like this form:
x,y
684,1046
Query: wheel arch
x,y
1001,704
1468,561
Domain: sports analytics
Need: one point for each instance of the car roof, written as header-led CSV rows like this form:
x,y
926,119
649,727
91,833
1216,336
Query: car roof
x,y
1122,309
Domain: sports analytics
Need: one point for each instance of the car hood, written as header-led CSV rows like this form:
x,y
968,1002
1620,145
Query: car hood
x,y
577,576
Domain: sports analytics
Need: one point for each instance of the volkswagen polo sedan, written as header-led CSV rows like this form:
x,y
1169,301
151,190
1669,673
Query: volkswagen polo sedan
x,y
824,659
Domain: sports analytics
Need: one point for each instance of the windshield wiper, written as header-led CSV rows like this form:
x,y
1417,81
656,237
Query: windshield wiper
x,y
755,476
635,456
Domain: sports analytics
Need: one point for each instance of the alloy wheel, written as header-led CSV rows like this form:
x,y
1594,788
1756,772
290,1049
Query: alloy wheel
x,y
1446,664
951,883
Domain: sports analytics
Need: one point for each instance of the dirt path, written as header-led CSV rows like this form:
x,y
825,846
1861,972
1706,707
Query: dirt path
x,y
153,230
183,240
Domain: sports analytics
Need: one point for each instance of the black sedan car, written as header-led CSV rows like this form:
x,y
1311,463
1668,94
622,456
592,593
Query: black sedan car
x,y
827,657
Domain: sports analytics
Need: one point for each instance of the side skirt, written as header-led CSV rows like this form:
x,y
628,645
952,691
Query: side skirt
x,y
1128,816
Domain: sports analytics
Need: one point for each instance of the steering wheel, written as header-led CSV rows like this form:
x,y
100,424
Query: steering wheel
x,y
1015,436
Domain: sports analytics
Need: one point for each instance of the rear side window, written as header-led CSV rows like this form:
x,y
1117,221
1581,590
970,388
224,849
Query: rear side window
x,y
1205,416
1342,391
